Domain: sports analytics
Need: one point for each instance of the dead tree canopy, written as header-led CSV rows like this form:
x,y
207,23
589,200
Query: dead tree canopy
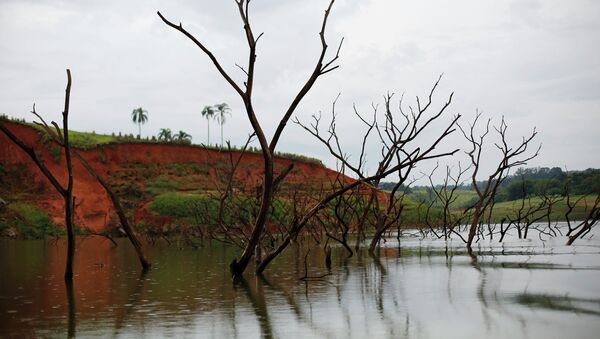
x,y
510,156
245,92
585,226
133,238
396,131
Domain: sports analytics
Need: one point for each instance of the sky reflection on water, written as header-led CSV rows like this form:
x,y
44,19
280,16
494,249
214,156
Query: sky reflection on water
x,y
519,289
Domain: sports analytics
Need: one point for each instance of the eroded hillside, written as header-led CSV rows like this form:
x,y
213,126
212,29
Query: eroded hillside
x,y
140,172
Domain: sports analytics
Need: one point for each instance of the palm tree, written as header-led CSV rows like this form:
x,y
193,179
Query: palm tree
x,y
183,137
165,134
222,110
139,116
208,112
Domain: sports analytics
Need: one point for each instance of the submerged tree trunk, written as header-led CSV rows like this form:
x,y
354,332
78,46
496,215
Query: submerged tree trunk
x,y
377,236
69,200
245,92
473,227
69,204
72,309
238,267
592,218
61,138
120,213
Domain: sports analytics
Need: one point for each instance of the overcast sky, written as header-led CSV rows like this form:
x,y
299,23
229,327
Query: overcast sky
x,y
535,62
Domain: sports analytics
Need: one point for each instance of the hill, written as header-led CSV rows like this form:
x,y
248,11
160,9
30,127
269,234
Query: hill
x,y
154,180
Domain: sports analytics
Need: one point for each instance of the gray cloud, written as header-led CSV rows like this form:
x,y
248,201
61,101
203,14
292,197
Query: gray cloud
x,y
533,61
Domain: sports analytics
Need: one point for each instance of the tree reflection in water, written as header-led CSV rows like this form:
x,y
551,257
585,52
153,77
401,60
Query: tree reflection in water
x,y
426,289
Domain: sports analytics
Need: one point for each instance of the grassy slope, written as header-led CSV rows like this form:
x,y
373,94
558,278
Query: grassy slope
x,y
167,198
87,140
169,202
29,221
464,198
509,208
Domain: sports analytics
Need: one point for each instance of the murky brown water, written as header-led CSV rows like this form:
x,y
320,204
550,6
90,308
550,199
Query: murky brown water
x,y
519,289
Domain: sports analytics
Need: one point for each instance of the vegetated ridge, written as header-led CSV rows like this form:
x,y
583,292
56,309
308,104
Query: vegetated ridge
x,y
149,177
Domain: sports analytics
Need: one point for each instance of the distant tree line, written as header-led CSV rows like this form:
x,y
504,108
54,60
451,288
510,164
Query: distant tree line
x,y
537,181
389,186
552,181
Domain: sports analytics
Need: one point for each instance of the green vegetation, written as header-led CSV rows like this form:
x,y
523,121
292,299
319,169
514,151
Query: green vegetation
x,y
501,210
411,213
217,112
182,205
140,117
526,182
222,111
160,185
183,137
533,185
298,157
29,221
538,181
85,140
208,112
509,208
204,209
464,198
187,169
55,151
165,134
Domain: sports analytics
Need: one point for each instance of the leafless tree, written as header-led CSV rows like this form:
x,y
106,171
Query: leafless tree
x,y
526,213
446,195
337,226
62,138
229,202
131,235
585,226
550,228
398,155
511,156
238,266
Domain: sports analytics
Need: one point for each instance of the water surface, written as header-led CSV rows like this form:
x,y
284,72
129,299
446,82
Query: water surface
x,y
422,289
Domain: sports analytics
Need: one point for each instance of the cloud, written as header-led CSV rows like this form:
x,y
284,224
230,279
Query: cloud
x,y
526,60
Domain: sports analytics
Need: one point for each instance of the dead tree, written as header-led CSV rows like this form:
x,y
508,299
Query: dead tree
x,y
511,156
525,214
585,226
62,138
137,245
398,154
550,201
238,266
446,195
341,214
235,227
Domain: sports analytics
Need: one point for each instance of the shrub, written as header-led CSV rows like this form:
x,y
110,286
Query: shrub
x,y
182,205
33,223
160,185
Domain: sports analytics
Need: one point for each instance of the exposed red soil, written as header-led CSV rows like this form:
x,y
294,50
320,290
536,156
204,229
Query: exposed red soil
x,y
93,207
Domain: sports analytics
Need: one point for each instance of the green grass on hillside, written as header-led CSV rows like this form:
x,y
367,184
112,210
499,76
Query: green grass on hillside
x,y
510,208
29,221
202,208
87,140
464,198
90,140
160,185
504,209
